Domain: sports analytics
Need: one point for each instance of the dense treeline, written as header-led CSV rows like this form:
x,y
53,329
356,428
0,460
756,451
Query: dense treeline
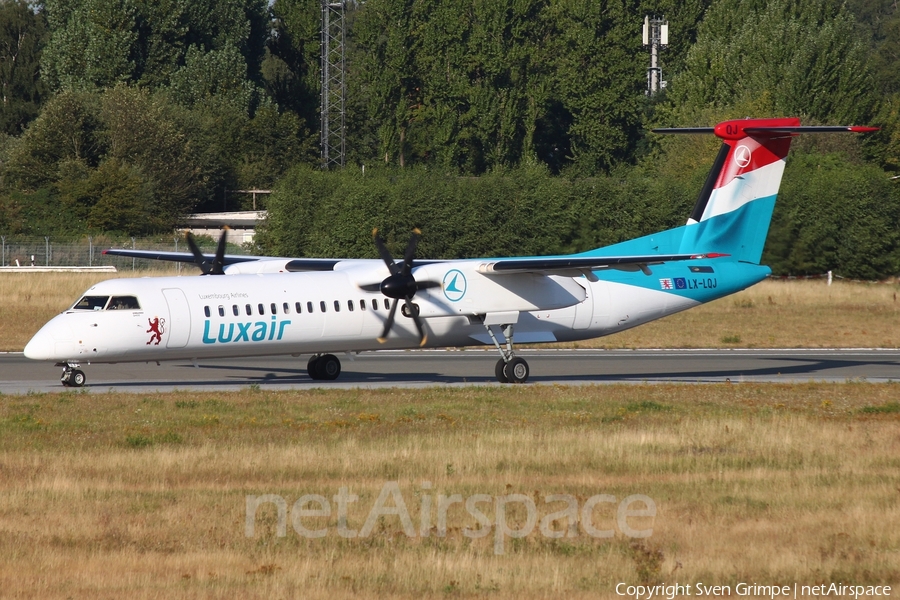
x,y
502,127
831,215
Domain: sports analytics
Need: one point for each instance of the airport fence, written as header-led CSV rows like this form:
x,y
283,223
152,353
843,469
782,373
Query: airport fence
x,y
88,251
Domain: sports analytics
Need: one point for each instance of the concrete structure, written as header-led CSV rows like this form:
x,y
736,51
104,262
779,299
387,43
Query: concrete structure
x,y
242,224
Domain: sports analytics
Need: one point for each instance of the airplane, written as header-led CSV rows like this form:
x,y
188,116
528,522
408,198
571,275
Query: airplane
x,y
324,307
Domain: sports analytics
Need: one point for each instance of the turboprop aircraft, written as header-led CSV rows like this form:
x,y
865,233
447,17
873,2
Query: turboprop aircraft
x,y
323,307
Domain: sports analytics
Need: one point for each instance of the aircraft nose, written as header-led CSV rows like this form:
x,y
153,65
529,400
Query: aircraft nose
x,y
54,341
41,346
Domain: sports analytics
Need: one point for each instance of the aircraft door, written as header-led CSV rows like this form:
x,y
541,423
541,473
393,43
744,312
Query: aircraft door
x,y
179,325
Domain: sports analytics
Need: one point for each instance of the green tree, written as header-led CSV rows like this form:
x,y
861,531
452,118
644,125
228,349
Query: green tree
x,y
90,43
113,197
218,73
291,71
384,74
83,141
478,86
143,131
833,214
795,57
97,43
22,37
69,129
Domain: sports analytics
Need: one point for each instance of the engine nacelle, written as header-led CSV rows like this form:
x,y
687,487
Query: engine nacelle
x,y
466,291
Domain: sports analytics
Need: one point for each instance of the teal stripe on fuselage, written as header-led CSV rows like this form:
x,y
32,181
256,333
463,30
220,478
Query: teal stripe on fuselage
x,y
727,277
740,233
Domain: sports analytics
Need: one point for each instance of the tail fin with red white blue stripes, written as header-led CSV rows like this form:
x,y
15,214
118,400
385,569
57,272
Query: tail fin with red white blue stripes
x,y
735,206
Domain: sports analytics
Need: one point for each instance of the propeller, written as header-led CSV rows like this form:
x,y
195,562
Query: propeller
x,y
214,266
400,284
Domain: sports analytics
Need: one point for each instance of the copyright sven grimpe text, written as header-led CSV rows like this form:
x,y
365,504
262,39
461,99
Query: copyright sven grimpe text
x,y
754,590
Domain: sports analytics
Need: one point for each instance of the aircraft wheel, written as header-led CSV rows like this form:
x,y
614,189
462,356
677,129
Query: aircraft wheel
x,y
498,371
312,368
77,379
328,367
66,378
516,370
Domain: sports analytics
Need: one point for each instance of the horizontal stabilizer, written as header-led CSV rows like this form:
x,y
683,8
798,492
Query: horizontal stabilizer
x,y
735,130
589,263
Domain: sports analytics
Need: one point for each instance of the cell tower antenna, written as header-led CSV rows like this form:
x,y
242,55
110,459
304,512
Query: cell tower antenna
x,y
656,37
333,101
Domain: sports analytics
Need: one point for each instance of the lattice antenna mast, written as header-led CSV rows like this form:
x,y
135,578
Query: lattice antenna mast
x,y
333,101
656,37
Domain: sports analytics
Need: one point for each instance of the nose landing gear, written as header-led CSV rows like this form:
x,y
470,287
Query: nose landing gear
x,y
72,376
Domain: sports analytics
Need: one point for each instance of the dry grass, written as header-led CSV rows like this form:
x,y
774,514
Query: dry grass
x,y
773,314
778,314
107,496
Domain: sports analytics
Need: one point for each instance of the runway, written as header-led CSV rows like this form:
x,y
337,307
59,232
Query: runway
x,y
410,369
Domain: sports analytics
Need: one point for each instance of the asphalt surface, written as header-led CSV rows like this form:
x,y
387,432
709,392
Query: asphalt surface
x,y
19,375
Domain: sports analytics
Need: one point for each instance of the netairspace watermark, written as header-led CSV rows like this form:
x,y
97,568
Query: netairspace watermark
x,y
390,503
756,590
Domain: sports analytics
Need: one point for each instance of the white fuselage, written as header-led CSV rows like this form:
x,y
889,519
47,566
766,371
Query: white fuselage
x,y
317,312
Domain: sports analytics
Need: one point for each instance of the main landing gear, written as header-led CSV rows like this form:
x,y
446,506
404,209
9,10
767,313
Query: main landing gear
x,y
324,366
72,376
510,368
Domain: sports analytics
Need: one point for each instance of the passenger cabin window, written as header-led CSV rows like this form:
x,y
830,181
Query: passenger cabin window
x,y
287,308
123,303
322,305
337,306
261,309
299,307
235,310
91,303
362,304
206,311
309,307
221,311
274,308
374,303
249,310
350,305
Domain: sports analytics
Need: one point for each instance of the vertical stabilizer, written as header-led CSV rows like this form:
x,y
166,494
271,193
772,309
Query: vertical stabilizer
x,y
733,212
735,206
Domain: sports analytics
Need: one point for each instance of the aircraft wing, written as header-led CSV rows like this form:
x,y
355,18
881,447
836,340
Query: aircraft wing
x,y
570,265
291,265
185,257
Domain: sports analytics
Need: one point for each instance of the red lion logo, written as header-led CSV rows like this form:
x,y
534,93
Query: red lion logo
x,y
157,327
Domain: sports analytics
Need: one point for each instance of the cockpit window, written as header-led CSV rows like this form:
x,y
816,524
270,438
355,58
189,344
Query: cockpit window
x,y
123,303
91,303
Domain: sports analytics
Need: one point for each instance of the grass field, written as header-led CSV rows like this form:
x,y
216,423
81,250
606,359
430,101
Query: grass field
x,y
145,496
107,496
773,314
